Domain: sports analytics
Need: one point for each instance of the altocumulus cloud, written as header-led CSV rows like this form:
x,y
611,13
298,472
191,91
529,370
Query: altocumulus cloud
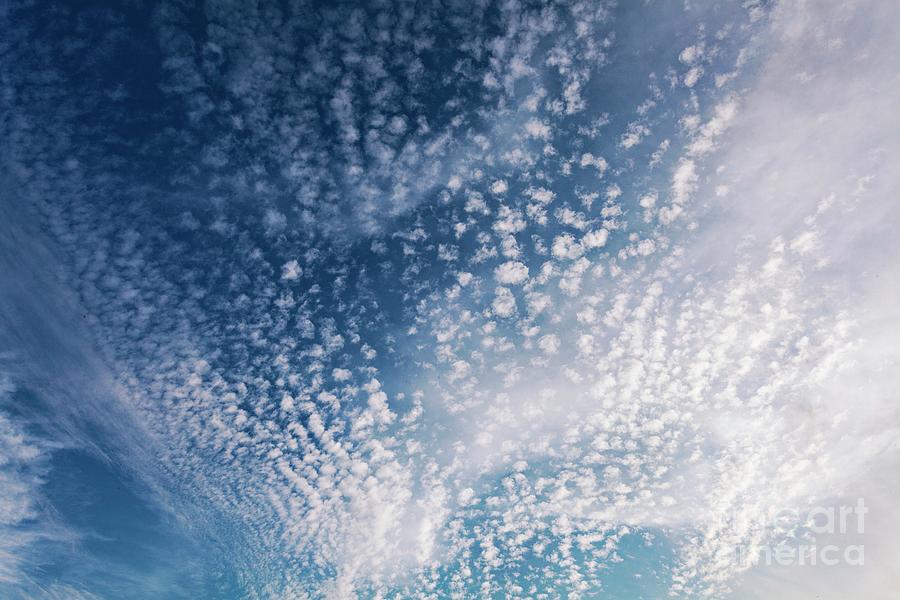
x,y
443,299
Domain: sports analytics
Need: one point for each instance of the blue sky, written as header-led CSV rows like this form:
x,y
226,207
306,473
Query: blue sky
x,y
445,299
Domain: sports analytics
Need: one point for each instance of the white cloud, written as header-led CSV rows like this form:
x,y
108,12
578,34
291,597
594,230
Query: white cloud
x,y
705,137
566,247
509,221
341,374
691,54
540,195
475,204
291,270
504,304
465,496
693,76
511,273
633,136
595,239
598,162
684,181
549,344
499,187
537,129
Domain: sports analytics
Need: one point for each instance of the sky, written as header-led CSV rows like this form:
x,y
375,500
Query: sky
x,y
457,299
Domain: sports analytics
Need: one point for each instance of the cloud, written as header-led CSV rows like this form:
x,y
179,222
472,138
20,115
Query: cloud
x,y
291,270
532,358
511,273
504,303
